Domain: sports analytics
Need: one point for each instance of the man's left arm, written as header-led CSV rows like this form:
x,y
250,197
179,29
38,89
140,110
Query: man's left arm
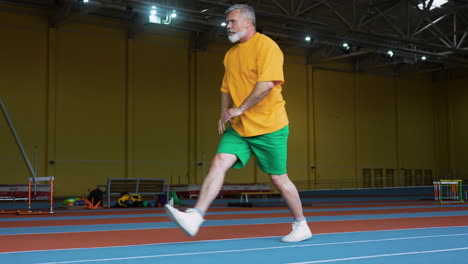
x,y
260,91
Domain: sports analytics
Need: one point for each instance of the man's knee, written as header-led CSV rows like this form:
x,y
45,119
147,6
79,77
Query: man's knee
x,y
279,180
223,161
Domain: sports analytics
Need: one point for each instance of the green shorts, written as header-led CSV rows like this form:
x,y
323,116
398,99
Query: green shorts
x,y
270,149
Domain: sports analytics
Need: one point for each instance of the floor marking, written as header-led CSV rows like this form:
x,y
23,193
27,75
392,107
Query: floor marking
x,y
162,214
383,255
15,231
138,245
226,239
253,249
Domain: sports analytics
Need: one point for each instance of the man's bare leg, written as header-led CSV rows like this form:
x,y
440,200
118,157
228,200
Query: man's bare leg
x,y
214,180
289,193
288,190
191,220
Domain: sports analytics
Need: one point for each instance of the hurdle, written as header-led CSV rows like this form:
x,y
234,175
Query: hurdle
x,y
245,195
448,191
34,180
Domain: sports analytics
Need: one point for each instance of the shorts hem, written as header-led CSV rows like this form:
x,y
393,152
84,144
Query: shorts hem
x,y
275,173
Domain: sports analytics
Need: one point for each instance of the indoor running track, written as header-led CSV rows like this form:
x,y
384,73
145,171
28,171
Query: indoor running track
x,y
344,232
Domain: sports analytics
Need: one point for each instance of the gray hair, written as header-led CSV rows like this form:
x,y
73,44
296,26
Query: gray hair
x,y
246,10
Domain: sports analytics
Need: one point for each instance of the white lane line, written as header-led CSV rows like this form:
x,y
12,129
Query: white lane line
x,y
382,255
250,249
227,239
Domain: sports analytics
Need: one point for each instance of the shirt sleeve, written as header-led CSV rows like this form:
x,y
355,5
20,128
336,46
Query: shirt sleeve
x,y
224,85
270,63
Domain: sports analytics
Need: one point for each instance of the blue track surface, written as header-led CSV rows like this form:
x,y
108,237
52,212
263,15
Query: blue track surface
x,y
429,245
406,246
255,221
225,213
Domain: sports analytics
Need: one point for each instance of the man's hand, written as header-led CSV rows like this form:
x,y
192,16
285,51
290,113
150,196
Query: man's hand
x,y
259,92
227,116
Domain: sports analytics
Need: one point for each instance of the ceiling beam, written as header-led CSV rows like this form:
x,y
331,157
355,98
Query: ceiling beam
x,y
316,4
391,23
286,12
461,40
363,23
428,25
345,56
346,22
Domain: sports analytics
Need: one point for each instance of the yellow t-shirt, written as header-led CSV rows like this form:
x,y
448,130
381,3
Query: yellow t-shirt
x,y
257,60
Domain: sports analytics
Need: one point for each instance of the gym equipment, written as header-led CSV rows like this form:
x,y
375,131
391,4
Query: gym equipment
x,y
448,191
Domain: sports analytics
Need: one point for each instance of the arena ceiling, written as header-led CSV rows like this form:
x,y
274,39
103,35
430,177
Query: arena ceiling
x,y
411,29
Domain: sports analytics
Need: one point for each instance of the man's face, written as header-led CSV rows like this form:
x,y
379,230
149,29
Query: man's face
x,y
237,25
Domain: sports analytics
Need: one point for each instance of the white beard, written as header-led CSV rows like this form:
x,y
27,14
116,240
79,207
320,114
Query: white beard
x,y
236,36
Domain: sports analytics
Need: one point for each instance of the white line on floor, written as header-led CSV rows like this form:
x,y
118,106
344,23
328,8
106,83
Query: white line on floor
x,y
255,249
382,255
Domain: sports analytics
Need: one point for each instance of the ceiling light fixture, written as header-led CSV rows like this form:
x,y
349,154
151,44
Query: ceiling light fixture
x,y
435,4
346,47
156,18
153,18
389,55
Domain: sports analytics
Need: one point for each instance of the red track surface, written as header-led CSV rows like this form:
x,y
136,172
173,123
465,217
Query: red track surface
x,y
138,237
51,241
153,219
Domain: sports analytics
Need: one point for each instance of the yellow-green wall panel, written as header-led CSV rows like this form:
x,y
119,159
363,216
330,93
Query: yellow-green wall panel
x,y
160,114
458,98
209,75
376,122
334,128
416,149
415,124
90,108
295,95
442,150
23,91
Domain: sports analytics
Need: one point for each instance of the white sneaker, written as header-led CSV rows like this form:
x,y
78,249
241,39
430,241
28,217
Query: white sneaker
x,y
300,232
189,221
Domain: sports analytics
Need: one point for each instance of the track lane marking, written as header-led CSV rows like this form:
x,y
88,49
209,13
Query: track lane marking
x,y
382,255
258,249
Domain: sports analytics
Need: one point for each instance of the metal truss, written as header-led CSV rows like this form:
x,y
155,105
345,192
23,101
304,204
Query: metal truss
x,y
371,26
